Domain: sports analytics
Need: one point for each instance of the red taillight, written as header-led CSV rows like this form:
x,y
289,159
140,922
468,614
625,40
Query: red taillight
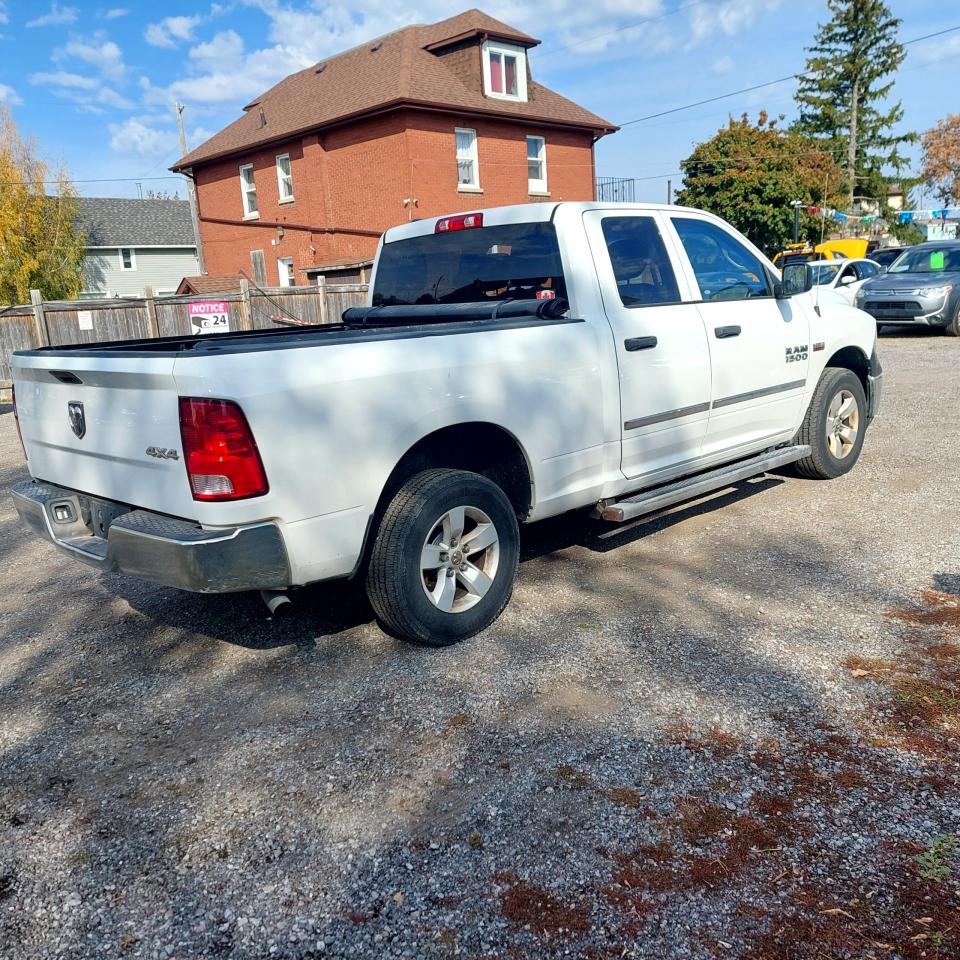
x,y
222,459
463,221
16,419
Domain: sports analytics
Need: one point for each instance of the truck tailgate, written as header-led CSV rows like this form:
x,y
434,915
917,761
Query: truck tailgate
x,y
87,422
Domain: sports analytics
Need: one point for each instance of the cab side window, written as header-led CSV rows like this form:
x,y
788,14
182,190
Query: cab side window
x,y
640,262
866,270
725,269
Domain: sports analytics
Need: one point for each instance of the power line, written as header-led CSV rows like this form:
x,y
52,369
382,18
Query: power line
x,y
760,86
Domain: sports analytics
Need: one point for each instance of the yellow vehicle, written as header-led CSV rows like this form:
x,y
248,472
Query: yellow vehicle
x,y
851,249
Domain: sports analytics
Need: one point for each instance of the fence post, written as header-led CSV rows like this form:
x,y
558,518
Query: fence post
x,y
246,310
322,286
151,312
40,316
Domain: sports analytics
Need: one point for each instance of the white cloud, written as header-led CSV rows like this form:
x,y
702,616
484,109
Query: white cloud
x,y
937,50
4,16
56,17
115,12
723,65
98,51
171,31
9,96
109,97
134,136
224,51
63,78
712,22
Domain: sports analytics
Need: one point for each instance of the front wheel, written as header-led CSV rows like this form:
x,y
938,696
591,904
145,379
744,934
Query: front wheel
x,y
833,426
444,559
952,329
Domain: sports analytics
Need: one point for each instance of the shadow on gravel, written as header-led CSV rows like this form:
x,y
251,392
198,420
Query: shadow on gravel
x,y
327,609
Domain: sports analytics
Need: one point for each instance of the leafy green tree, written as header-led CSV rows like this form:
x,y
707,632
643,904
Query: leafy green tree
x,y
844,89
40,245
750,174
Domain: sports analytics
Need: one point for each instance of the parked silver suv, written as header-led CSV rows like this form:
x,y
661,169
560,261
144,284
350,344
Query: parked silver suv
x,y
921,287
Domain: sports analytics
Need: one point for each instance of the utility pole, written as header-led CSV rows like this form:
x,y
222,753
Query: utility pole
x,y
191,191
669,191
852,147
796,204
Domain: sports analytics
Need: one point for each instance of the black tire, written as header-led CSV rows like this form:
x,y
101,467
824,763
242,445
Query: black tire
x,y
395,584
822,464
952,329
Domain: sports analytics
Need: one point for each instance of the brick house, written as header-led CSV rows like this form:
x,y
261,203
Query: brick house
x,y
423,121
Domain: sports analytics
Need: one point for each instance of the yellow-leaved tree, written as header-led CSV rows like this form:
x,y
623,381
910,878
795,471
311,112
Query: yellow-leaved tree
x,y
41,247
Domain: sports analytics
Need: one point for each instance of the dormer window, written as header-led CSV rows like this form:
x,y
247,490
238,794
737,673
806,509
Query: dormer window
x,y
505,71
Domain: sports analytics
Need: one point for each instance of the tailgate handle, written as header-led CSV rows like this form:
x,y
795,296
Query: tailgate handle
x,y
724,332
640,343
65,376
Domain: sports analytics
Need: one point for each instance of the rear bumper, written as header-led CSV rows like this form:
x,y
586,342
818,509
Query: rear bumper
x,y
177,553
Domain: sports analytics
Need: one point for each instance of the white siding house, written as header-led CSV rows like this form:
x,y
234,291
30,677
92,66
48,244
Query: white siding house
x,y
133,245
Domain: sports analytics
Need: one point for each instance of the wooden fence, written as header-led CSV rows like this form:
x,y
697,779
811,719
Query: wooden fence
x,y
60,322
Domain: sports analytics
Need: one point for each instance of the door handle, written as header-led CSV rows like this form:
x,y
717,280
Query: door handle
x,y
724,332
639,343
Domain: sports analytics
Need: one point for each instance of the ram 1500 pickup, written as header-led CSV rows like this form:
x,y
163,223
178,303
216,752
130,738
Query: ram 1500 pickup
x,y
512,364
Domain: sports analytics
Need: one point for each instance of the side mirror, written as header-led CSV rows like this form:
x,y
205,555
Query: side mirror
x,y
795,278
846,281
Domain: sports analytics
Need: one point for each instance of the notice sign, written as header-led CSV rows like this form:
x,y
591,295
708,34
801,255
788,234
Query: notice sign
x,y
209,317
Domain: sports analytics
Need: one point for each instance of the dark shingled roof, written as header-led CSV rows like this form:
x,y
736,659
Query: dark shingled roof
x,y
395,70
116,222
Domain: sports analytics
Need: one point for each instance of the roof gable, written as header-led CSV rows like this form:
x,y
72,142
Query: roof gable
x,y
115,222
395,70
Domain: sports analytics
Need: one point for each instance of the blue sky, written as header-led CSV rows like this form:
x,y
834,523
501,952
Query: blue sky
x,y
94,82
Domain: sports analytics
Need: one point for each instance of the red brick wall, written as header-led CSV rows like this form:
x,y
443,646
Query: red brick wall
x,y
358,176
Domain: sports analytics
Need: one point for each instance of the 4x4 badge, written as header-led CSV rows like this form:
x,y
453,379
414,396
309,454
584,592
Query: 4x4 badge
x,y
78,420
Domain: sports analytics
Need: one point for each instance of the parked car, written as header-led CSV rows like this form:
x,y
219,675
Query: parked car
x,y
920,288
514,364
884,256
842,278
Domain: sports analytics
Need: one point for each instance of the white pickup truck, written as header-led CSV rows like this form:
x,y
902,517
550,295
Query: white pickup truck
x,y
513,364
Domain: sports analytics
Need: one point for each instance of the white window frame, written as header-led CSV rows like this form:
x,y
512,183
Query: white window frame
x,y
284,179
537,184
505,50
286,277
472,155
245,190
133,259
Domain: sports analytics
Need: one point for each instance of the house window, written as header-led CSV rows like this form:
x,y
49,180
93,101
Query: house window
x,y
248,191
536,165
128,259
505,71
285,269
468,167
284,178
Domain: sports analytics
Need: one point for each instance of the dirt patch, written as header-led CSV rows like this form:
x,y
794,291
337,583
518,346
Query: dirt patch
x,y
528,905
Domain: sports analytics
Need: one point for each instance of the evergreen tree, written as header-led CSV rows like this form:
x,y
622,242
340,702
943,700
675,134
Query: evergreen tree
x,y
843,90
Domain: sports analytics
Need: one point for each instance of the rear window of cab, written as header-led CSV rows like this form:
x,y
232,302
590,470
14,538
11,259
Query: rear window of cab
x,y
516,261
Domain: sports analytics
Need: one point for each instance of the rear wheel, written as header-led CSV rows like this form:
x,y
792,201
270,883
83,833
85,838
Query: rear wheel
x,y
445,557
834,425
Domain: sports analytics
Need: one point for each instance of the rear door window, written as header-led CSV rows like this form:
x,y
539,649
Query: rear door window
x,y
640,262
517,261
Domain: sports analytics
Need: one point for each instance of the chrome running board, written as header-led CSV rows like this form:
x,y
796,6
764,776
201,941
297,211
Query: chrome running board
x,y
649,501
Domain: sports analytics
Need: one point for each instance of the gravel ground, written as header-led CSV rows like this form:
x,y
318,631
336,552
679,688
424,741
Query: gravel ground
x,y
731,731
